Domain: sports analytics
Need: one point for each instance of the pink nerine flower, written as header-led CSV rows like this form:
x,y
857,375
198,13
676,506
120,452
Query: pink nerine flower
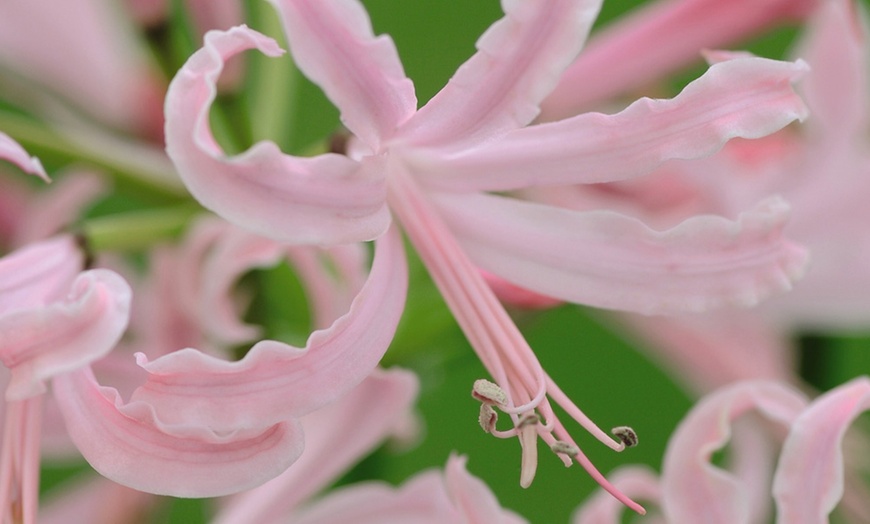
x,y
54,319
433,170
233,425
822,168
807,483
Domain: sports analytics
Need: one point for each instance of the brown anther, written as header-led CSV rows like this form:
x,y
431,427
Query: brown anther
x,y
528,419
563,448
488,392
626,435
487,418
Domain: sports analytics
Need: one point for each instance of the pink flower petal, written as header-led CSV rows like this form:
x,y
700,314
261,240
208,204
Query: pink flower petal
x,y
11,151
111,76
217,254
38,274
652,42
96,500
693,489
333,44
39,343
428,498
518,62
705,352
809,478
127,444
337,436
58,207
836,90
638,482
607,260
421,500
276,381
474,500
748,98
320,200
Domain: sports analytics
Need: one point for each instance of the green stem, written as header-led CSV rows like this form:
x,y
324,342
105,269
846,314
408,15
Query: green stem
x,y
137,230
273,83
143,166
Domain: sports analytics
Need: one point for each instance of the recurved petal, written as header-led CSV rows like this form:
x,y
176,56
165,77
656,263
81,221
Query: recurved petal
x,y
747,98
836,48
333,44
11,151
472,497
658,38
276,381
371,411
693,489
608,260
518,62
40,342
319,200
128,444
809,477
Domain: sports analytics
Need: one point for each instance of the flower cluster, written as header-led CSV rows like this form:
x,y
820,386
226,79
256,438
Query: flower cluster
x,y
202,308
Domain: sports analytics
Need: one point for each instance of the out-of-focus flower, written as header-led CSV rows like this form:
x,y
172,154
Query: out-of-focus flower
x,y
337,436
373,409
808,480
84,54
431,497
237,424
432,167
822,169
54,320
657,39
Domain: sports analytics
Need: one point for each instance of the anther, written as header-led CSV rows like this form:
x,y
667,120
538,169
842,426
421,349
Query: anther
x,y
488,392
563,448
626,435
529,419
487,418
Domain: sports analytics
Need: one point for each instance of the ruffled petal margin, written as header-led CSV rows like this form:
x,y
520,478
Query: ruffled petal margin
x,y
128,444
747,98
325,199
809,478
276,381
38,343
695,490
612,261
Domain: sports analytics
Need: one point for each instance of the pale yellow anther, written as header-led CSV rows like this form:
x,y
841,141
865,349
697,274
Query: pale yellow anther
x,y
488,392
487,418
563,448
